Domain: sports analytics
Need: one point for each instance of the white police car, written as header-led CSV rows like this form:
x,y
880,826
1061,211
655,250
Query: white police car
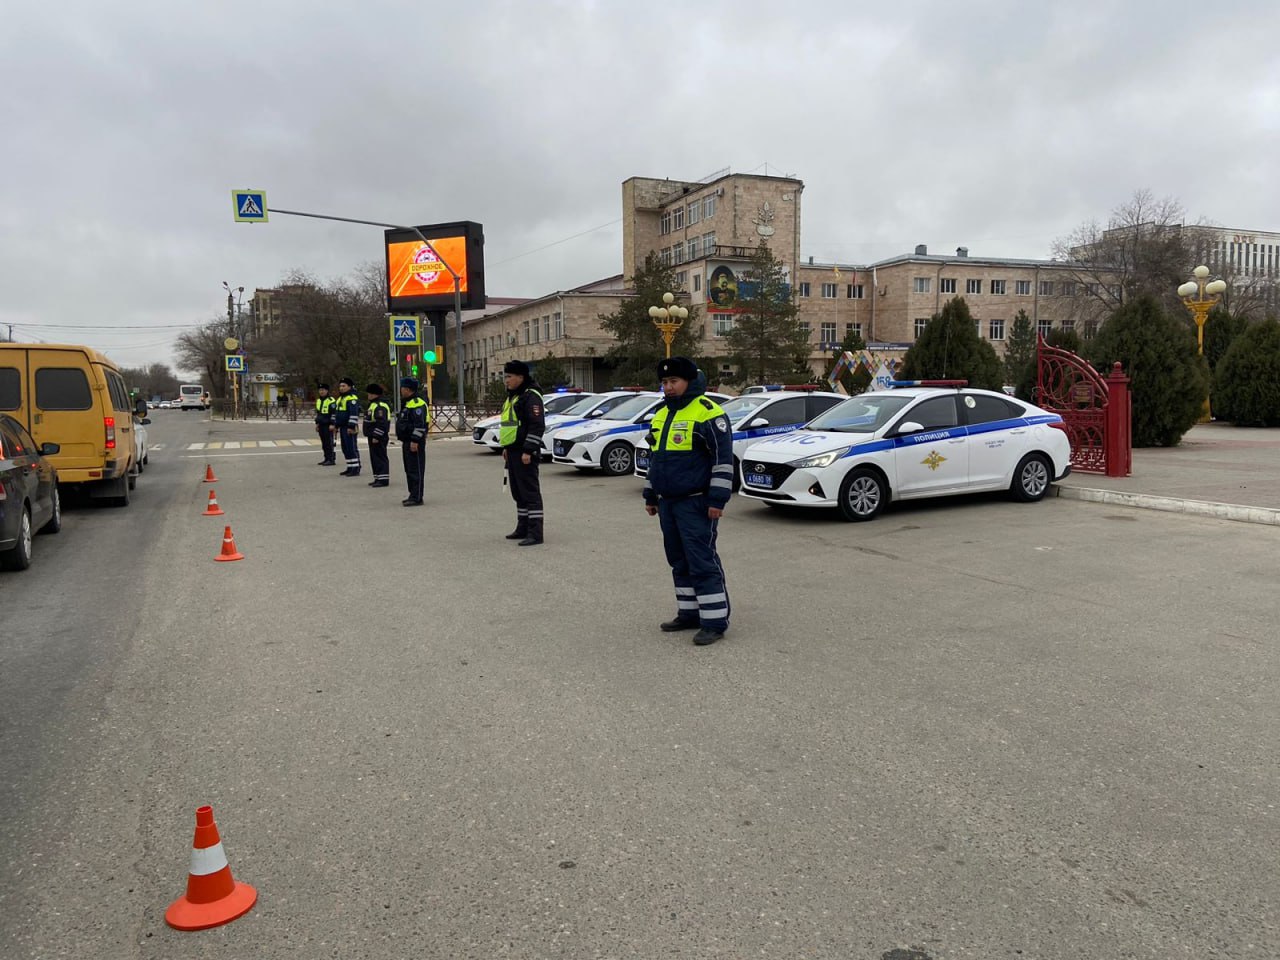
x,y
759,415
608,441
900,444
485,432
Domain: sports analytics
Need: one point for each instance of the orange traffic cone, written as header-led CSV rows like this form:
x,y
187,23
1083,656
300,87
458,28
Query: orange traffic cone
x,y
229,551
208,474
212,897
213,510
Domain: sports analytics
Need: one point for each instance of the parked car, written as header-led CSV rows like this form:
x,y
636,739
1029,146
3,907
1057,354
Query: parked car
x,y
140,423
75,397
906,443
29,498
485,432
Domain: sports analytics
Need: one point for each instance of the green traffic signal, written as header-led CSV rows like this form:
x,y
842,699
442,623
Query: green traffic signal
x,y
414,369
429,356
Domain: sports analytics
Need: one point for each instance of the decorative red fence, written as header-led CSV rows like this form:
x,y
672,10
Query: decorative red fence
x,y
1096,412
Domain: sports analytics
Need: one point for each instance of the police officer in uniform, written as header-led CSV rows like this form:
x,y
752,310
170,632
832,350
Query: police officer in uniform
x,y
346,420
377,427
324,423
411,431
520,435
689,484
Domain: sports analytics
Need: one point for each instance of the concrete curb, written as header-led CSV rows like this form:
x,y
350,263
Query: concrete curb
x,y
1202,508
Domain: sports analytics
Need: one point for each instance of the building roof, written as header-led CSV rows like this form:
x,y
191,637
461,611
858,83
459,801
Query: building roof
x,y
606,287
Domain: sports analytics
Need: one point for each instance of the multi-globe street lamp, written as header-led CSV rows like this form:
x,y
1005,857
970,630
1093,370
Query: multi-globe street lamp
x,y
1201,297
669,318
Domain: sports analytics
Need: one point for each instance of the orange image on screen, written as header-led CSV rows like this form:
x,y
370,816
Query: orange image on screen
x,y
412,271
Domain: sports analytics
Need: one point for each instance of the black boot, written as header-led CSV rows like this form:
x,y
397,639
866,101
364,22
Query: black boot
x,y
706,636
679,623
535,533
517,534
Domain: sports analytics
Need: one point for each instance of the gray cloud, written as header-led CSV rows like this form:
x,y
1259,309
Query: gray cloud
x,y
996,125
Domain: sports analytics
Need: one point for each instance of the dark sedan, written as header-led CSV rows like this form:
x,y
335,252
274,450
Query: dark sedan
x,y
28,493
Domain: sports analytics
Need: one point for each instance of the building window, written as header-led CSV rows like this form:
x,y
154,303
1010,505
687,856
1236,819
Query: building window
x,y
666,256
1022,288
697,281
828,331
557,326
1043,327
666,223
721,324
708,207
677,218
525,330
546,327
973,286
536,330
1046,288
1090,329
948,285
997,288
1068,324
828,291
920,285
804,289
808,331
921,323
677,251
850,329
695,212
995,330
708,244
1068,289
853,291
695,244
1090,289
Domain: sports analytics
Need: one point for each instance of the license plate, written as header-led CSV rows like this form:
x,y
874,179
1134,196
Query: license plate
x,y
559,449
642,462
760,479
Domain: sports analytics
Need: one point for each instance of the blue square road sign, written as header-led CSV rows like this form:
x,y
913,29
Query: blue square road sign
x,y
250,205
405,331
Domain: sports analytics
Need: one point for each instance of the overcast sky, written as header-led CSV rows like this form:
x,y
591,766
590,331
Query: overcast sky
x,y
995,125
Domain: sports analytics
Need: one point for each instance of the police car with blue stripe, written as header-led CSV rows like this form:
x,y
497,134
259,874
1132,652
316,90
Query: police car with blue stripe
x,y
920,439
607,442
565,401
765,413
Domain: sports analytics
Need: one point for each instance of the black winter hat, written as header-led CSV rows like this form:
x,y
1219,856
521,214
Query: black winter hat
x,y
410,382
681,367
322,386
348,381
517,367
376,389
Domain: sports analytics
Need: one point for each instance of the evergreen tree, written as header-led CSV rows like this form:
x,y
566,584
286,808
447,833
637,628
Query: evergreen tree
x,y
1020,351
767,343
639,347
856,382
551,372
1220,330
950,349
1247,380
1167,379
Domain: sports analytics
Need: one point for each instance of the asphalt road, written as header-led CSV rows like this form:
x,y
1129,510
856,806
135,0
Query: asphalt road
x,y
975,729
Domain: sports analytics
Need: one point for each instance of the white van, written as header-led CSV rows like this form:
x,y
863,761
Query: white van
x,y
191,396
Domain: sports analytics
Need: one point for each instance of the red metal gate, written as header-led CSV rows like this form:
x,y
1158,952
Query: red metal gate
x,y
1095,411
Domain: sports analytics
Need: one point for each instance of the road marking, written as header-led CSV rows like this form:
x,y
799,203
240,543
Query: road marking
x,y
155,446
216,445
250,443
255,453
265,443
230,445
195,446
305,443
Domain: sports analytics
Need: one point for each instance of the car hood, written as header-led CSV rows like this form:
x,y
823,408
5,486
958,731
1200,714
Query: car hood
x,y
598,425
803,443
488,422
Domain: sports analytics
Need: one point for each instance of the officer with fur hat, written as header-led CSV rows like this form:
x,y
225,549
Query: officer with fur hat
x,y
689,484
346,420
377,427
520,435
324,423
411,430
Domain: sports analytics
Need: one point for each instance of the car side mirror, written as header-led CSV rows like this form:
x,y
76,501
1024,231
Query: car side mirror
x,y
595,413
49,449
909,427
760,422
648,417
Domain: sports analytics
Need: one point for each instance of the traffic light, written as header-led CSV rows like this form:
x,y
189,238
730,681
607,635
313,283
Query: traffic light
x,y
429,356
414,369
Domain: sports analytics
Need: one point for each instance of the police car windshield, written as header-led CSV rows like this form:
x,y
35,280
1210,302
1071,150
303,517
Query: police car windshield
x,y
739,407
561,402
631,407
579,406
864,414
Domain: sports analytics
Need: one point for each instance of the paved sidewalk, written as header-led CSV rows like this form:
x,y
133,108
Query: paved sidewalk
x,y
1217,470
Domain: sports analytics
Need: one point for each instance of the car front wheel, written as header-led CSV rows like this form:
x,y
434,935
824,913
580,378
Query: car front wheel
x,y
1032,478
19,556
54,523
617,459
862,495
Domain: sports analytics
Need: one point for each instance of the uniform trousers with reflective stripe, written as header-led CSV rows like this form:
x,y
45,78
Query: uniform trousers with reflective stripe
x,y
378,459
350,450
689,538
326,440
526,491
415,467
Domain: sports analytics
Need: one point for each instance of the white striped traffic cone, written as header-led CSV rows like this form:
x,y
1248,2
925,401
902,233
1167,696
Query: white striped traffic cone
x,y
213,897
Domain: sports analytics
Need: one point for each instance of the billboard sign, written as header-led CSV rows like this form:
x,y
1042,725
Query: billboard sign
x,y
417,282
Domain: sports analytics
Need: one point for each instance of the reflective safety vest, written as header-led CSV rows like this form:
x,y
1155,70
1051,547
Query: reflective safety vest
x,y
324,409
371,412
414,402
679,438
510,425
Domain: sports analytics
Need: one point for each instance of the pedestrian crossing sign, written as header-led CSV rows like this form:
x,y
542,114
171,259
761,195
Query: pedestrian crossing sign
x,y
250,205
406,331
235,363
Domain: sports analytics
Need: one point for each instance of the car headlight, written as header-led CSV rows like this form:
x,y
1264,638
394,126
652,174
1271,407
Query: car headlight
x,y
589,438
821,459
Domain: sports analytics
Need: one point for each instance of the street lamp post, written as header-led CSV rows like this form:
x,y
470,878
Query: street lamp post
x,y
1201,297
233,319
668,318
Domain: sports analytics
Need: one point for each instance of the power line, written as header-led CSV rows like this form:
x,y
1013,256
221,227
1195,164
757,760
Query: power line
x,y
556,243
